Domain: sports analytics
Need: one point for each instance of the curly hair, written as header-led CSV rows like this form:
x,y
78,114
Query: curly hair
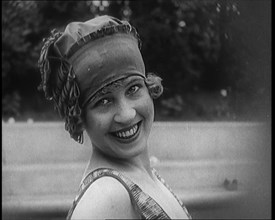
x,y
153,83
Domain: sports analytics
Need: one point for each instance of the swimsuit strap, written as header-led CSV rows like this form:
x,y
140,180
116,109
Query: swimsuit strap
x,y
145,205
168,187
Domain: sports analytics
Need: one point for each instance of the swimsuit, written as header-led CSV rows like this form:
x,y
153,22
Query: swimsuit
x,y
145,205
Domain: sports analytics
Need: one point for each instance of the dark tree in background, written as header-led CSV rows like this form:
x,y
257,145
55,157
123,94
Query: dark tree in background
x,y
24,24
213,55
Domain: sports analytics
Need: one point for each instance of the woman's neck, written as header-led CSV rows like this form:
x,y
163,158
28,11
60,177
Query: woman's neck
x,y
139,164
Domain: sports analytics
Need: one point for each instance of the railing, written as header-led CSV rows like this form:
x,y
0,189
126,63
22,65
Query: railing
x,y
213,167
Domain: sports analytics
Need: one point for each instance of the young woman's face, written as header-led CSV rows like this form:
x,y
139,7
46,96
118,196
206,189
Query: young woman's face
x,y
118,121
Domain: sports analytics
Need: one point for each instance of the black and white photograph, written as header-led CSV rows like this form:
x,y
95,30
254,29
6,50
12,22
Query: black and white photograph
x,y
136,109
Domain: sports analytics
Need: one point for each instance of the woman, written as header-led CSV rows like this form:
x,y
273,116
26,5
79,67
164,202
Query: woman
x,y
95,74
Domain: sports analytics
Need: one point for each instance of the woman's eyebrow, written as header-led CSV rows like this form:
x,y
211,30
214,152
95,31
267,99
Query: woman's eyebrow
x,y
134,81
123,82
98,95
108,89
101,93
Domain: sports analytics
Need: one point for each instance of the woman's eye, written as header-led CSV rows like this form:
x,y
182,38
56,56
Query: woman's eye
x,y
133,89
102,102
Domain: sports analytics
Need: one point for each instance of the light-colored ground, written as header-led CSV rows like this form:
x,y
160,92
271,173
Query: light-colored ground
x,y
42,166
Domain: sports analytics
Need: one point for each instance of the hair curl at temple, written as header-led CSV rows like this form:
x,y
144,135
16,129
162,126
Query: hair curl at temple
x,y
153,83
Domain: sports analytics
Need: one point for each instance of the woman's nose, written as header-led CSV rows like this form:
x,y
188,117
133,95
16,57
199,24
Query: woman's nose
x,y
125,113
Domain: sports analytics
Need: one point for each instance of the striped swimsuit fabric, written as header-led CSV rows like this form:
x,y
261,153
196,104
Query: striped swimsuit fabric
x,y
144,205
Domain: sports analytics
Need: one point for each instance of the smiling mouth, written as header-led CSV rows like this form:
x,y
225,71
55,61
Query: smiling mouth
x,y
127,133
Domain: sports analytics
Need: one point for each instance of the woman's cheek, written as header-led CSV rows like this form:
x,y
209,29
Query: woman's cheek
x,y
99,120
146,106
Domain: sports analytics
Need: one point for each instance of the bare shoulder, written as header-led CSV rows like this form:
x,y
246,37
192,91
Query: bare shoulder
x,y
105,198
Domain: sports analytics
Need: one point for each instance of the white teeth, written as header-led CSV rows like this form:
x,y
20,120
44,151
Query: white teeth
x,y
127,134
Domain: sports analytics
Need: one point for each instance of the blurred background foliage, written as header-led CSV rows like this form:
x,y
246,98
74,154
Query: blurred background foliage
x,y
214,55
